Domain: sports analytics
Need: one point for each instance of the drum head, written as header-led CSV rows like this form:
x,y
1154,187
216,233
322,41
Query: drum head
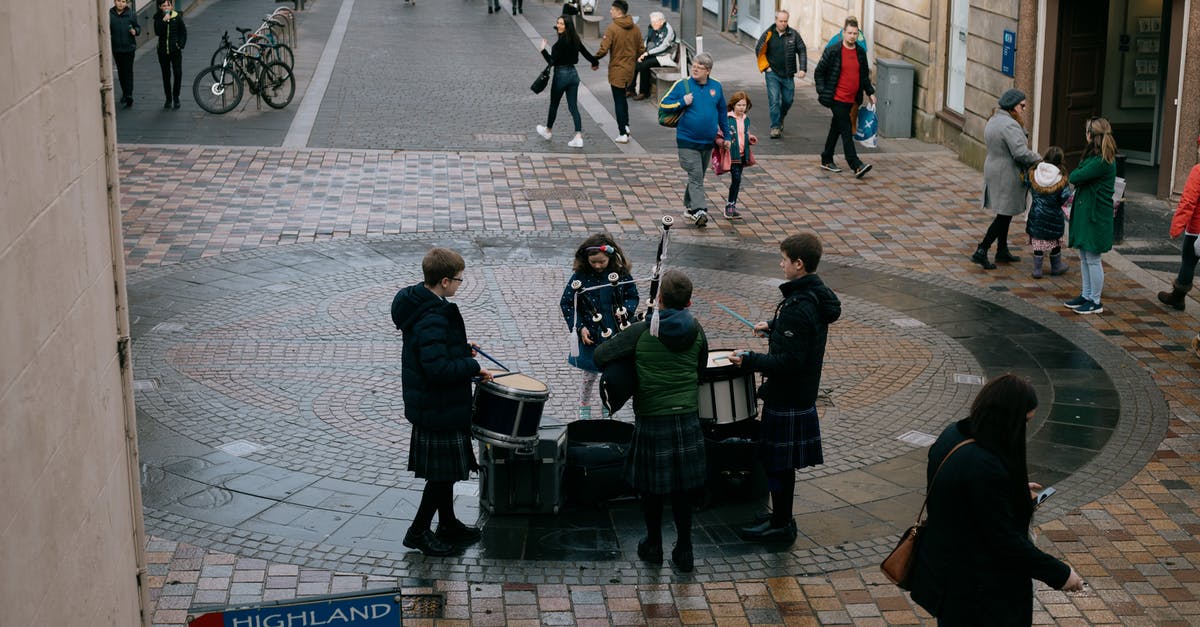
x,y
518,382
719,359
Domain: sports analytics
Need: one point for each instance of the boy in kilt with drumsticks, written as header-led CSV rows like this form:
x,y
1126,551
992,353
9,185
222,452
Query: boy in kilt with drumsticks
x,y
790,433
667,454
437,367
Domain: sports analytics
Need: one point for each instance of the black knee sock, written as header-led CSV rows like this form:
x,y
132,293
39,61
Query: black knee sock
x,y
430,501
445,502
652,511
1055,251
782,499
681,509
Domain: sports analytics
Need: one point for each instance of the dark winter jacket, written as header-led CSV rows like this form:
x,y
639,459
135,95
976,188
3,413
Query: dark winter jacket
x,y
1050,192
1092,209
172,33
668,366
436,362
604,301
829,70
793,48
975,560
118,29
623,40
796,346
565,53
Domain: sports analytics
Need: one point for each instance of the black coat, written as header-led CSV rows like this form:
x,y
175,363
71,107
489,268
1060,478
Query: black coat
x,y
118,29
436,363
796,348
172,33
975,560
829,69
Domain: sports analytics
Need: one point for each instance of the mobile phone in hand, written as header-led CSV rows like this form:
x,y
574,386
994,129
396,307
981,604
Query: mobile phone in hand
x,y
1042,496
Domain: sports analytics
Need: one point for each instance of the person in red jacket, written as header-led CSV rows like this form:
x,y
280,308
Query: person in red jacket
x,y
1187,223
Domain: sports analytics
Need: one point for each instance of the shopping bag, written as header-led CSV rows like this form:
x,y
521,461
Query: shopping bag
x,y
720,160
866,131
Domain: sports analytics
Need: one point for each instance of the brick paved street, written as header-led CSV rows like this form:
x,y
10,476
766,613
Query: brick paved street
x,y
269,423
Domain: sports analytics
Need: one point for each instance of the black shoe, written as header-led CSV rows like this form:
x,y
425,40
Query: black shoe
x,y
127,102
764,532
514,9
176,105
455,532
1003,256
831,166
683,558
862,170
762,517
491,10
649,554
167,104
980,257
427,543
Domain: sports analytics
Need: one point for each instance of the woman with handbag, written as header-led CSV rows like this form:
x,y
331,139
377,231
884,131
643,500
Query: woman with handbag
x,y
563,56
974,556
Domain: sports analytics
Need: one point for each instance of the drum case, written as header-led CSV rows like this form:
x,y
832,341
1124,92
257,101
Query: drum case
x,y
596,452
514,483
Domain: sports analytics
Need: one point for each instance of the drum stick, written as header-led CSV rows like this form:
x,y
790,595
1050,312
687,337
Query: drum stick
x,y
480,351
736,315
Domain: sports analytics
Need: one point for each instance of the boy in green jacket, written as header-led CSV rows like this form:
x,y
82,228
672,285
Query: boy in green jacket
x,y
667,455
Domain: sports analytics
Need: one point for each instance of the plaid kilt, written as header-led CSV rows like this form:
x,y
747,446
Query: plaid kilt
x,y
789,438
667,454
441,455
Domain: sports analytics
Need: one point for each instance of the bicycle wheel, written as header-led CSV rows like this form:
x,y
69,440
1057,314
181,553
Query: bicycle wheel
x,y
220,55
217,89
277,85
283,52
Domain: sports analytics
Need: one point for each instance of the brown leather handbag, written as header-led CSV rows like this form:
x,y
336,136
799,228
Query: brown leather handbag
x,y
898,565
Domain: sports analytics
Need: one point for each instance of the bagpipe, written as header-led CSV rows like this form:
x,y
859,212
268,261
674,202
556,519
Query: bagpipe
x,y
618,380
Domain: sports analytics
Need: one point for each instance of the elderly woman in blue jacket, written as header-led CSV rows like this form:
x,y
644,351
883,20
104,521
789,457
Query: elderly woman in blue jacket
x,y
700,101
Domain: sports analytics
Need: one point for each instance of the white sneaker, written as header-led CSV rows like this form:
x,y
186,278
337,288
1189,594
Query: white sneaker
x,y
575,143
543,131
621,139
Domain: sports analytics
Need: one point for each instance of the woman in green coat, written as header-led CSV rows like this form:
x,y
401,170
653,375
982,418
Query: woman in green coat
x,y
1092,212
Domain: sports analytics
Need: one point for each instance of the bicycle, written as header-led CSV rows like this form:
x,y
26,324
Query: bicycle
x,y
219,88
272,49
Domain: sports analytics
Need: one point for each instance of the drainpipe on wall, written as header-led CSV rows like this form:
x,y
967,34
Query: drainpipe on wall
x,y
1026,61
108,115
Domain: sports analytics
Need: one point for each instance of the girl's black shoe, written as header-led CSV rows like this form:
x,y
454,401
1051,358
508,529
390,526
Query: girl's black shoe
x,y
683,558
427,543
650,554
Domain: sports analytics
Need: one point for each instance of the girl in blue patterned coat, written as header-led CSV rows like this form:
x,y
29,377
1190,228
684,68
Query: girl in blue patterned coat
x,y
740,140
594,315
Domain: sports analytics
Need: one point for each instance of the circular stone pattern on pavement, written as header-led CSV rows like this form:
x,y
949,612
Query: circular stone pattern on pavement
x,y
271,414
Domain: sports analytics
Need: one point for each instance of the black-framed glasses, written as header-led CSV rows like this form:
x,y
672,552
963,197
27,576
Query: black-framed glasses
x,y
457,278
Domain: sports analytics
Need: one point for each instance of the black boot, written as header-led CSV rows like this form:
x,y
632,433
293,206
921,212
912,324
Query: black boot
x,y
1176,298
1003,256
980,257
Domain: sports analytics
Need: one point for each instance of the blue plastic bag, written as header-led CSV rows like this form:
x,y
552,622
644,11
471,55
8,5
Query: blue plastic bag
x,y
867,130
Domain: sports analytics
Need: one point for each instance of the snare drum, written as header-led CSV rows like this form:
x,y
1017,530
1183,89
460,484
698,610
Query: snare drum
x,y
726,392
508,410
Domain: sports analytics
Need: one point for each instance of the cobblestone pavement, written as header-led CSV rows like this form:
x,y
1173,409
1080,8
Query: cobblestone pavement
x,y
247,265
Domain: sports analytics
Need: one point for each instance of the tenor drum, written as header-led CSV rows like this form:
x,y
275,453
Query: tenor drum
x,y
508,410
726,392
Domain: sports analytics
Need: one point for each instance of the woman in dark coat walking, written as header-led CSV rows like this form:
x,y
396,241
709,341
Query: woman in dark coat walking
x,y
563,55
975,559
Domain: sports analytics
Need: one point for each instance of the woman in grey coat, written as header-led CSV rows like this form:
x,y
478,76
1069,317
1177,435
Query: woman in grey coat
x,y
1008,155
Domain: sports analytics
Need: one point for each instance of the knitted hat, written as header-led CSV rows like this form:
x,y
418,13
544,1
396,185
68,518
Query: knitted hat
x,y
1011,98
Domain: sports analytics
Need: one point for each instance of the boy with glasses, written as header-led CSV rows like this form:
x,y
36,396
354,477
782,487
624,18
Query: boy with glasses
x,y
437,367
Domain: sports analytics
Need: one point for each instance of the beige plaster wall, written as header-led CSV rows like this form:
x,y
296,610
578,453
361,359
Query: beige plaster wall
x,y
67,528
1189,107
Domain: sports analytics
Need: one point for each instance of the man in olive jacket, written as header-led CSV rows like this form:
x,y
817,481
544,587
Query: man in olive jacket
x,y
667,455
623,40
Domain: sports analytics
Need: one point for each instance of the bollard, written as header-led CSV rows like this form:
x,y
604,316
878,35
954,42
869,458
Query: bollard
x,y
1119,203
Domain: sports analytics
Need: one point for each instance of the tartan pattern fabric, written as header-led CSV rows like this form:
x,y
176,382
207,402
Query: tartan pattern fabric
x,y
789,438
441,455
667,454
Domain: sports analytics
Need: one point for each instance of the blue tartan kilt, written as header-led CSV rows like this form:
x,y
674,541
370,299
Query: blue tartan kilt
x,y
441,455
789,439
667,454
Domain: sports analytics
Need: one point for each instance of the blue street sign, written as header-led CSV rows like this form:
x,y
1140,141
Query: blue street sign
x,y
1008,53
369,608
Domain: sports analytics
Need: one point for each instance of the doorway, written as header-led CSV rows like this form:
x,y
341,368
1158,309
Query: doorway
x,y
1079,72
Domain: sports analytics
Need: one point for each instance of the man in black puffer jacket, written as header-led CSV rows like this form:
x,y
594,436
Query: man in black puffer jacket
x,y
790,433
437,365
842,76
